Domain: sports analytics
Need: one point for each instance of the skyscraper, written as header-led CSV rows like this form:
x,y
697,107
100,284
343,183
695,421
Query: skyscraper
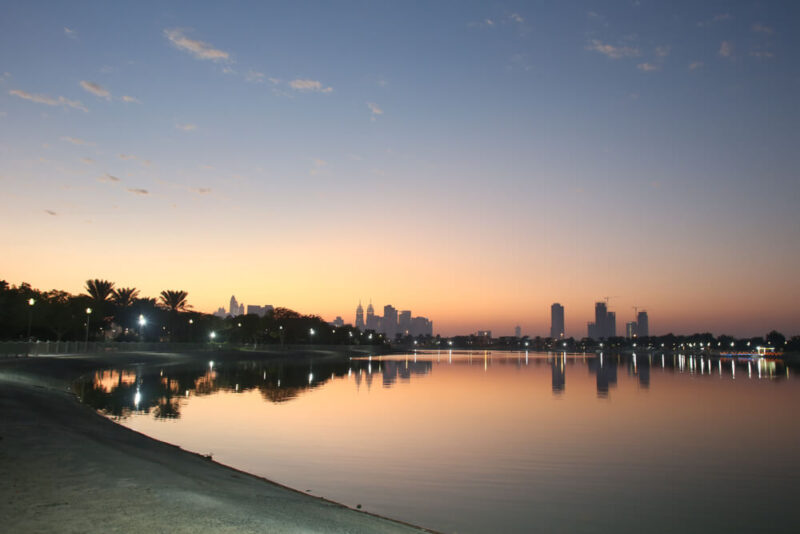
x,y
389,321
404,322
234,309
556,321
517,331
611,324
643,324
631,329
372,323
600,319
360,316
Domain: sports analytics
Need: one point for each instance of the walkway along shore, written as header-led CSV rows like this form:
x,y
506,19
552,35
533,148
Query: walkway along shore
x,y
65,468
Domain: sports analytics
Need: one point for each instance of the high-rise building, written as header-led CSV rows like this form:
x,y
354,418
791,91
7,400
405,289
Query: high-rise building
x,y
234,309
611,324
261,311
600,320
421,326
338,322
591,331
360,316
389,321
404,322
556,321
643,324
372,323
517,331
631,330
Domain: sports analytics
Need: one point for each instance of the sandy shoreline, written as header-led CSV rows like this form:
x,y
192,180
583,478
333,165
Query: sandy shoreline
x,y
66,468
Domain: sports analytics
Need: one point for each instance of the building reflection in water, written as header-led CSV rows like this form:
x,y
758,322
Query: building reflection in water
x,y
559,375
163,392
605,367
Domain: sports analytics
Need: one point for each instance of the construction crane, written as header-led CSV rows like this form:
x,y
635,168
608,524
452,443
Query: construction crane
x,y
607,298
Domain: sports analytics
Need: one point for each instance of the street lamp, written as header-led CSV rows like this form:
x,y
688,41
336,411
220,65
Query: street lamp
x,y
88,315
142,322
212,335
311,335
31,302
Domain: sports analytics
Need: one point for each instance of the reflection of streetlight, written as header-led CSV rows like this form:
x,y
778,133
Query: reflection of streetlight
x,y
88,315
31,302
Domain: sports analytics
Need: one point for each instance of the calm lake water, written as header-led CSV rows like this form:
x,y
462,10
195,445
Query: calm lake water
x,y
495,442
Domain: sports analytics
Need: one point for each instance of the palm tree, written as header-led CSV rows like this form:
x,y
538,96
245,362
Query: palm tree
x,y
99,290
125,296
175,301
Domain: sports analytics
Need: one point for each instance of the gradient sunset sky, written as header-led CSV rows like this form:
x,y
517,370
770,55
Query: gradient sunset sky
x,y
471,161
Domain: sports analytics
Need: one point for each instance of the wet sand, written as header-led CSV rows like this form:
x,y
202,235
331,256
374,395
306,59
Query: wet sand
x,y
65,468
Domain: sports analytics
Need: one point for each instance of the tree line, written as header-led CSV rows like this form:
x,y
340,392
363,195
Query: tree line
x,y
104,311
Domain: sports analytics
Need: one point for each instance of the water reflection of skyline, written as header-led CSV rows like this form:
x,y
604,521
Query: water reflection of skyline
x,y
162,392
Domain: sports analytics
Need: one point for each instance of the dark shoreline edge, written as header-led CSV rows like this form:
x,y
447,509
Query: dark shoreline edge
x,y
51,377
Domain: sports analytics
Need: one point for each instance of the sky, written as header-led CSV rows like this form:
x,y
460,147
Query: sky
x,y
473,162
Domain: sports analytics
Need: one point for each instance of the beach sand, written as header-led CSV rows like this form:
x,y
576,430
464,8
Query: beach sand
x,y
65,468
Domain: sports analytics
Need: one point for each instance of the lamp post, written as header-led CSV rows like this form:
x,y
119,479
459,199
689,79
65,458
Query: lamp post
x,y
142,322
311,335
31,302
86,342
191,322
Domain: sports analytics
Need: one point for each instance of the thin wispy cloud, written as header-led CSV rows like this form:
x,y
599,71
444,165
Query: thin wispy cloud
x,y
318,166
109,179
721,17
694,65
126,157
48,100
137,191
88,161
202,190
72,34
648,67
253,76
611,51
663,51
51,212
188,127
761,28
198,49
76,141
761,54
130,99
305,85
374,110
516,18
726,49
96,89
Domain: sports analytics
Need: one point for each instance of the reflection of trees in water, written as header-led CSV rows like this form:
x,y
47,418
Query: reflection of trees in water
x,y
120,392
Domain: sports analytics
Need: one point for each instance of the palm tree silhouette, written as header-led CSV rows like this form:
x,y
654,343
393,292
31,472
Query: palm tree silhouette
x,y
99,290
175,301
125,296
